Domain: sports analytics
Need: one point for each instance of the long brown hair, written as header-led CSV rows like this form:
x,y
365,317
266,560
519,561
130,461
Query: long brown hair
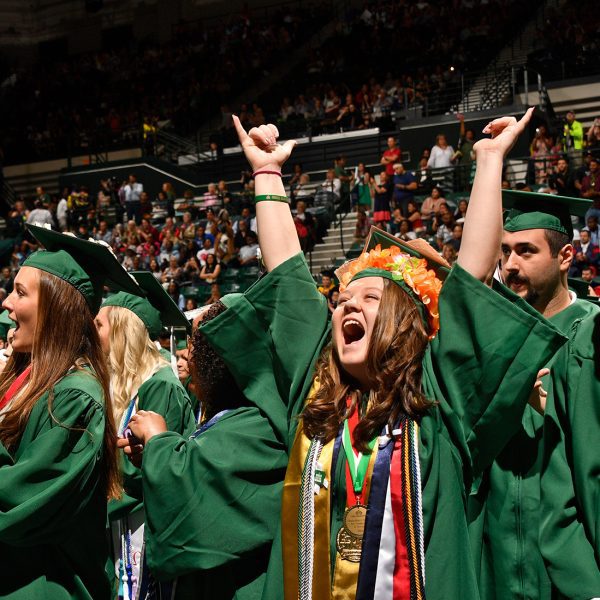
x,y
65,336
394,368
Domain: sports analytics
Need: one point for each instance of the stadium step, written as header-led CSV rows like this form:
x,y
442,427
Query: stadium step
x,y
494,87
329,253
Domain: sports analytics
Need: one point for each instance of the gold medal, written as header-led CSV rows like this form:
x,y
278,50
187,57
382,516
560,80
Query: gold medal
x,y
348,546
350,536
354,520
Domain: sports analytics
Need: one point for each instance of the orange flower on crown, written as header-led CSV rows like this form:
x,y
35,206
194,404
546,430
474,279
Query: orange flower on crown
x,y
413,271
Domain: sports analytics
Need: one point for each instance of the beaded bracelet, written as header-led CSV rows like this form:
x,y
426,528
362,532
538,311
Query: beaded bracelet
x,y
266,173
271,197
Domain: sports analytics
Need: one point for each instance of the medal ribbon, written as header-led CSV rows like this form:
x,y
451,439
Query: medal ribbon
x,y
358,464
15,386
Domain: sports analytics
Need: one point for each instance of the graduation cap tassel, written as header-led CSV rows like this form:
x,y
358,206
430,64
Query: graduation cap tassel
x,y
173,349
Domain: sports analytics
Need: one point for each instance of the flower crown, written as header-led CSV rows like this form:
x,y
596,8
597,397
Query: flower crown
x,y
403,267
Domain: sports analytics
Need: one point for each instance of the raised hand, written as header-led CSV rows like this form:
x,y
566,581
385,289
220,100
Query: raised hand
x,y
504,132
261,148
145,424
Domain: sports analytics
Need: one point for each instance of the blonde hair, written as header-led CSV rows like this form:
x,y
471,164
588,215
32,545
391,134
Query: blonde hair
x,y
132,358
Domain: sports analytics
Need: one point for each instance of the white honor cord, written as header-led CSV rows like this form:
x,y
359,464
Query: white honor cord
x,y
173,350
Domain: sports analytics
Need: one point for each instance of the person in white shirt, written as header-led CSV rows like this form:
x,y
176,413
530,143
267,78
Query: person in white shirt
x,y
40,215
133,203
441,154
62,213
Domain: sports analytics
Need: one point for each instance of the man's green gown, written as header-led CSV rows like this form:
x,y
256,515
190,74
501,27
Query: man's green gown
x,y
52,501
223,488
504,508
570,482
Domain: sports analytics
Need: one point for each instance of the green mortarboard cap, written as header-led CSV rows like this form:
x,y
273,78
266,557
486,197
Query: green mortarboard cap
x,y
582,289
170,315
6,323
86,265
139,306
530,210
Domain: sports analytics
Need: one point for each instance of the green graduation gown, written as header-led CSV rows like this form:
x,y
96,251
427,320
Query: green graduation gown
x,y
163,394
227,510
570,481
504,506
52,502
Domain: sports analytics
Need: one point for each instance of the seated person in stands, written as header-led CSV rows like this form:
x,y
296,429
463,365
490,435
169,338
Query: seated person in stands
x,y
305,227
248,255
431,206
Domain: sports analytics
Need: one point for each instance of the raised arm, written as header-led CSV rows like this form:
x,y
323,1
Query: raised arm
x,y
276,230
482,234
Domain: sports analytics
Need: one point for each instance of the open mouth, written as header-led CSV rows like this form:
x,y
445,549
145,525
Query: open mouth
x,y
353,331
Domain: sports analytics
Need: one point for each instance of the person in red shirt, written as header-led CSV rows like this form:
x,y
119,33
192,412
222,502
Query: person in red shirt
x,y
390,156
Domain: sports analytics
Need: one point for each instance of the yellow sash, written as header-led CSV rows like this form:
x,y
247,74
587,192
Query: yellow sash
x,y
346,572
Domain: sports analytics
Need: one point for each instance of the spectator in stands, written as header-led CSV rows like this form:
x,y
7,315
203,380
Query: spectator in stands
x,y
349,118
540,151
561,179
295,178
210,198
248,255
464,155
170,196
449,253
461,209
572,135
305,227
362,224
391,156
7,280
431,205
40,215
62,211
441,154
211,270
405,186
593,138
414,218
590,187
133,203
457,231
366,191
146,203
168,251
103,233
304,189
404,231
207,248
591,222
43,196
332,299
590,251
444,233
215,294
328,193
154,268
173,272
327,283
382,195
340,172
176,295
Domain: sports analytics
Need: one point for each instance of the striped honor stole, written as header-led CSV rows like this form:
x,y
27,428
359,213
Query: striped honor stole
x,y
392,561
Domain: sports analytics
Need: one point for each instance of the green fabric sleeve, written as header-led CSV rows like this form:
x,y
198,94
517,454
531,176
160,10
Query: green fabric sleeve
x,y
54,474
570,488
483,364
270,338
211,500
163,394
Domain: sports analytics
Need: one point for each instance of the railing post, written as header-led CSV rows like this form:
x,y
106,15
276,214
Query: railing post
x,y
526,86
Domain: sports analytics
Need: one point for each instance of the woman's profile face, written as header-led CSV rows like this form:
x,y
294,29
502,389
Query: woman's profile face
x,y
103,328
353,321
22,306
